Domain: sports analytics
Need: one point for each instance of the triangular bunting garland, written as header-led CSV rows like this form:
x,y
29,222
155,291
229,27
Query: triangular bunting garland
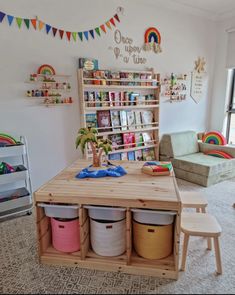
x,y
74,34
2,15
10,19
92,34
117,18
40,25
19,21
86,34
112,22
61,33
26,21
103,28
34,23
80,35
48,28
108,25
68,35
54,30
97,31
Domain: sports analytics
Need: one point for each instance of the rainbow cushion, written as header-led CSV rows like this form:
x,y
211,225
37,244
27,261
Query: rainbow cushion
x,y
214,137
219,154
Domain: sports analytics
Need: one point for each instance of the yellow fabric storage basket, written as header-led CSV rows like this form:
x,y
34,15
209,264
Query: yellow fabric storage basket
x,y
153,241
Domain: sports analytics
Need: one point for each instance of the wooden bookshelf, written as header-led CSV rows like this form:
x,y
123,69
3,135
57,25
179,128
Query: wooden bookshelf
x,y
144,87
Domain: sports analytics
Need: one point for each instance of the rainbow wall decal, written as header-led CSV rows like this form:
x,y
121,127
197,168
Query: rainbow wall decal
x,y
152,40
214,137
219,154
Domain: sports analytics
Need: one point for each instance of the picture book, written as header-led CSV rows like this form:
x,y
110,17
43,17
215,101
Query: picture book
x,y
98,99
130,119
129,140
104,120
114,98
114,157
147,138
117,141
91,99
91,120
141,100
123,119
88,63
147,118
131,156
124,156
139,139
133,98
139,155
148,154
138,119
122,98
115,120
104,97
126,98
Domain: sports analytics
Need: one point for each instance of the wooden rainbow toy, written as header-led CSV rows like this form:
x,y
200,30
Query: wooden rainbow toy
x,y
214,137
157,168
219,154
6,139
46,70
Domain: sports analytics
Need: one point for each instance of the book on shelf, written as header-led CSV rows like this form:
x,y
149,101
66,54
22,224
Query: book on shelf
x,y
148,154
123,119
124,156
138,155
130,119
149,99
122,98
147,138
141,99
117,141
129,140
104,120
126,98
104,97
147,118
131,156
115,120
133,98
91,120
98,99
114,98
139,139
88,63
138,119
114,157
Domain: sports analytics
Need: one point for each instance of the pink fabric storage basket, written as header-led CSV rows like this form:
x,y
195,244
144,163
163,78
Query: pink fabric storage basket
x,y
65,235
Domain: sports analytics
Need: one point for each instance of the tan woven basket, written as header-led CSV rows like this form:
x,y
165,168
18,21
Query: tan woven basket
x,y
153,241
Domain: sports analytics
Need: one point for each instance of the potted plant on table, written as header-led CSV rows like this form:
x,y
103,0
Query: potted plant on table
x,y
98,146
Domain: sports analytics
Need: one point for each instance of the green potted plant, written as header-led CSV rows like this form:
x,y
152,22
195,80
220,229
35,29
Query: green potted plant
x,y
98,146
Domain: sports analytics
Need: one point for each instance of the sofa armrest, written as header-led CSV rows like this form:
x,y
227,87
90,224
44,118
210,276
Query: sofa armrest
x,y
205,147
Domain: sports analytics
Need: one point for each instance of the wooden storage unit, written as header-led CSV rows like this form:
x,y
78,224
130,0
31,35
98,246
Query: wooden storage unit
x,y
134,190
144,87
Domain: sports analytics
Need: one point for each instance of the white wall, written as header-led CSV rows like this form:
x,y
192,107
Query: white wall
x,y
51,131
219,97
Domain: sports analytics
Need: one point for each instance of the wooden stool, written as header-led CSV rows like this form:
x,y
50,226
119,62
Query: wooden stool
x,y
202,225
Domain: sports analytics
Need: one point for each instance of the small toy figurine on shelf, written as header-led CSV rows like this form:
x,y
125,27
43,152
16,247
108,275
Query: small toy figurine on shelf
x,y
64,85
173,79
29,94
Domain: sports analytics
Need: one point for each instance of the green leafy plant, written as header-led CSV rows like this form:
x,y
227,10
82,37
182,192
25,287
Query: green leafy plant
x,y
98,146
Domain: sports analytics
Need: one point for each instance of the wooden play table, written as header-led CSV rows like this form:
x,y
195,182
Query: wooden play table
x,y
134,190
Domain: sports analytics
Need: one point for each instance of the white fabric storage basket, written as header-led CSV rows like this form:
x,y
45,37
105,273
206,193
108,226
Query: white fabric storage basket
x,y
153,216
108,238
106,213
60,211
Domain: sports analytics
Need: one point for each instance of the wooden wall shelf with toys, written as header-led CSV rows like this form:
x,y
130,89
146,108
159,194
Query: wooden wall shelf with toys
x,y
124,107
52,88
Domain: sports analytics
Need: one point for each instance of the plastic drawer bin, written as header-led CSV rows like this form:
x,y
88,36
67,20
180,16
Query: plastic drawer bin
x,y
65,234
108,238
60,211
106,213
153,233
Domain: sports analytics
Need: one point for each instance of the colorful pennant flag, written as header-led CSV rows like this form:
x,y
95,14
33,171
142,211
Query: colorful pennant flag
x,y
19,21
103,28
61,33
54,30
112,21
34,23
2,15
74,34
117,18
80,35
68,35
97,31
10,19
108,25
40,25
92,34
48,28
86,34
26,21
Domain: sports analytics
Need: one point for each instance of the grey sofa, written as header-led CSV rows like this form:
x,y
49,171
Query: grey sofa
x,y
190,163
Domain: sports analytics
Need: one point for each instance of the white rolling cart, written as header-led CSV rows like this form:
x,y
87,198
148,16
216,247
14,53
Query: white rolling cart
x,y
16,187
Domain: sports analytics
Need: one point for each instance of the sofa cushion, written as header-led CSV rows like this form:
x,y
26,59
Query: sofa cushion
x,y
202,164
179,144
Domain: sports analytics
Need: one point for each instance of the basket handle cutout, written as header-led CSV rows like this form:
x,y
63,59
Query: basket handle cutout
x,y
151,230
109,226
61,226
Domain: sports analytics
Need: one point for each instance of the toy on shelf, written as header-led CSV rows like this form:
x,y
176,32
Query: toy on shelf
x,y
50,86
175,87
6,139
6,168
156,168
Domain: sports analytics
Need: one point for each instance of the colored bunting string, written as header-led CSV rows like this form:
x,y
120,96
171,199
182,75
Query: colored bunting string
x,y
39,25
